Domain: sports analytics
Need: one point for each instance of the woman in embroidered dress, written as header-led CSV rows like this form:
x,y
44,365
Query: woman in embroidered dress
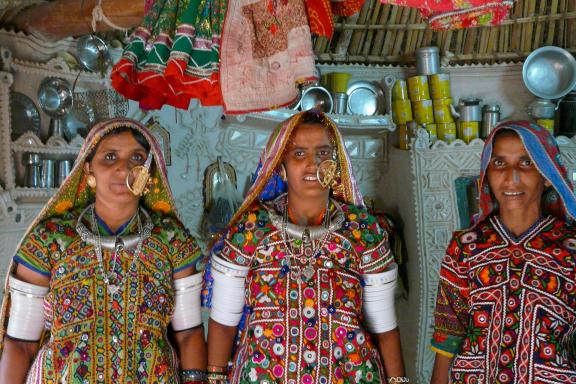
x,y
506,304
112,270
308,266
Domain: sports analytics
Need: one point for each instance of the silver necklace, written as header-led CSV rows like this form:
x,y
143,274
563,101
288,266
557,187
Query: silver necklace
x,y
310,253
118,247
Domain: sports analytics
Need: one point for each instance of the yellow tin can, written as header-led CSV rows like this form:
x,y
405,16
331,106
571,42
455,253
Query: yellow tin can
x,y
440,86
442,111
401,111
432,131
400,90
423,111
468,130
446,131
418,88
546,123
404,137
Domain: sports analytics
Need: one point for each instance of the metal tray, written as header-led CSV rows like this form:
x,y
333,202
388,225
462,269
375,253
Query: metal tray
x,y
25,115
365,98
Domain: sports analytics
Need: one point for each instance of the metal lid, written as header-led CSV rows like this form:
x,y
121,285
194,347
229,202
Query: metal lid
x,y
427,50
491,108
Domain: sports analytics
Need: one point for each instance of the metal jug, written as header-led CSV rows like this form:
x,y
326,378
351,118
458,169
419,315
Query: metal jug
x,y
567,115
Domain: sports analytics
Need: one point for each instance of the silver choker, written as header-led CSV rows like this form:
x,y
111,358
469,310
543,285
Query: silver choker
x,y
111,242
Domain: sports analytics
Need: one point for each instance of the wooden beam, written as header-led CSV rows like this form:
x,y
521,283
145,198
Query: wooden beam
x,y
63,18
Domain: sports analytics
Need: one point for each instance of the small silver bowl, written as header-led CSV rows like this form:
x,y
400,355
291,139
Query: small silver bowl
x,y
316,97
93,53
549,72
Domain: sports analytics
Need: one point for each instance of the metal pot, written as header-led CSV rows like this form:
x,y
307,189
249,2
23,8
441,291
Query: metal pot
x,y
427,61
468,110
541,109
567,115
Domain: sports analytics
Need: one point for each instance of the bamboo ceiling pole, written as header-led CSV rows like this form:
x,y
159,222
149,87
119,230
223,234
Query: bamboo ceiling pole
x,y
63,18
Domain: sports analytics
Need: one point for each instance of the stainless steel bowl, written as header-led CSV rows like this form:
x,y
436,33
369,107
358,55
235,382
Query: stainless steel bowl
x,y
93,53
549,72
55,96
316,97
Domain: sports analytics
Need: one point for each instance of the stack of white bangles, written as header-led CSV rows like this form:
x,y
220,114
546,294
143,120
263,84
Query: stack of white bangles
x,y
378,303
228,291
187,310
26,320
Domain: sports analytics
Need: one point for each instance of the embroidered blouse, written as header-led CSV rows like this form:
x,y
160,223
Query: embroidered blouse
x,y
506,306
300,327
95,336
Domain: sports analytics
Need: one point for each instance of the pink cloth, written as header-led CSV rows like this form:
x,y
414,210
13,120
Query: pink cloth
x,y
266,53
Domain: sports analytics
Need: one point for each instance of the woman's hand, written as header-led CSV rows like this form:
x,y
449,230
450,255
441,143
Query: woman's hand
x,y
441,368
391,352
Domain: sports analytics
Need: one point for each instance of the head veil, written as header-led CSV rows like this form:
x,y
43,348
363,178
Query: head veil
x,y
75,193
268,184
558,200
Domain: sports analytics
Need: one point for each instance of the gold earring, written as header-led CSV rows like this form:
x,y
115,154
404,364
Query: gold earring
x,y
91,181
282,172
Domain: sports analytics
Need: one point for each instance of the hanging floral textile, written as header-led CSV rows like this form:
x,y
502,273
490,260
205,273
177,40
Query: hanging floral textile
x,y
173,56
266,53
321,14
455,14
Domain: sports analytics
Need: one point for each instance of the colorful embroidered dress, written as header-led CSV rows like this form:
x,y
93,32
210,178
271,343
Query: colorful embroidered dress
x,y
92,335
306,329
304,321
506,305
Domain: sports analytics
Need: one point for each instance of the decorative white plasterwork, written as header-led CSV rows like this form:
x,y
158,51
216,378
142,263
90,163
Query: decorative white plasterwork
x,y
6,80
29,142
28,47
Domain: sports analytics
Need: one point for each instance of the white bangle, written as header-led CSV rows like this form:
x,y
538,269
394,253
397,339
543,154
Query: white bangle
x,y
378,303
26,321
187,309
228,291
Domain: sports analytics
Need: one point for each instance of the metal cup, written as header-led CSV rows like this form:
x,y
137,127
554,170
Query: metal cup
x,y
47,173
32,171
340,102
56,128
64,168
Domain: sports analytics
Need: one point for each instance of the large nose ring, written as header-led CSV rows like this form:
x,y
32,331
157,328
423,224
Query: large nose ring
x,y
325,173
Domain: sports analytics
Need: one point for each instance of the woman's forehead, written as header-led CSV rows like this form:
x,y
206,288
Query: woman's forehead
x,y
122,140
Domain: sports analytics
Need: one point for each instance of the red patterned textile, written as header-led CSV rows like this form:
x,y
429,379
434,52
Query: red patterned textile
x,y
321,14
454,14
506,306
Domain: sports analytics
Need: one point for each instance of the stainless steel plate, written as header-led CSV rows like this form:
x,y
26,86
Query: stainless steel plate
x,y
549,72
25,116
55,97
365,98
316,97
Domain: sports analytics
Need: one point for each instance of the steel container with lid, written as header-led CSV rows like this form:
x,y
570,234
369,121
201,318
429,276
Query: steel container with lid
x,y
490,119
427,61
